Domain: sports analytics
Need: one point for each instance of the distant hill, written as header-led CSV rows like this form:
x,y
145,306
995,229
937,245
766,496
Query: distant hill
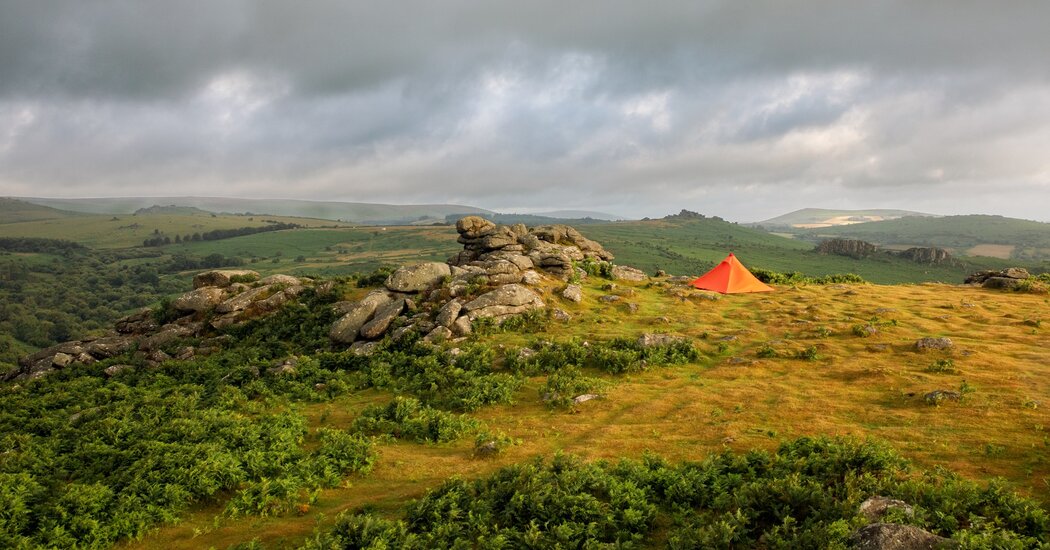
x,y
172,209
363,213
15,211
972,235
580,215
809,218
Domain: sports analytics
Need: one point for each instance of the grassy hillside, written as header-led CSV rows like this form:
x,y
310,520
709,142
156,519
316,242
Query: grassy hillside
x,y
329,210
15,211
1023,239
807,216
100,231
691,247
772,367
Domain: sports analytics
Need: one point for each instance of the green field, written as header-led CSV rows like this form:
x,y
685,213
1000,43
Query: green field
x,y
690,247
16,211
960,234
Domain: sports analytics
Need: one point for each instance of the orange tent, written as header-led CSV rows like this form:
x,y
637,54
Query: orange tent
x,y
730,277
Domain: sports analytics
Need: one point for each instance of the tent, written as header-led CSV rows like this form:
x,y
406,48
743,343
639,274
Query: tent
x,y
730,277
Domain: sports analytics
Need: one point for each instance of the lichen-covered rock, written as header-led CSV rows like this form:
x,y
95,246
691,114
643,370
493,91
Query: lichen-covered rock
x,y
531,278
243,300
418,277
847,247
560,315
439,334
201,299
223,277
346,329
649,340
506,295
627,273
139,322
462,326
448,313
279,279
874,508
923,344
474,226
573,293
891,536
382,319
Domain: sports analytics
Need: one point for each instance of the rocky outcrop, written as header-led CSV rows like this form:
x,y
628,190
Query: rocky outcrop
x,y
1007,278
418,277
223,278
875,508
929,256
219,299
847,247
501,272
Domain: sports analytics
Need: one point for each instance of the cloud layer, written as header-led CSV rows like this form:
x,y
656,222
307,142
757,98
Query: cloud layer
x,y
740,109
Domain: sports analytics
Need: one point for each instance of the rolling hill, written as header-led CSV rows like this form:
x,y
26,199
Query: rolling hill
x,y
973,235
16,211
821,217
364,213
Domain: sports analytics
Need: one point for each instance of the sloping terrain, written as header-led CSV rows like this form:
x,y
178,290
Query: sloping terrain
x,y
823,217
15,211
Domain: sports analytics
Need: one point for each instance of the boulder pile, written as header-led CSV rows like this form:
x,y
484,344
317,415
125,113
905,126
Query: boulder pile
x,y
1006,278
497,275
219,299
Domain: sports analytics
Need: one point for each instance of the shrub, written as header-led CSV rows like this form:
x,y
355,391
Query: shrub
x,y
407,418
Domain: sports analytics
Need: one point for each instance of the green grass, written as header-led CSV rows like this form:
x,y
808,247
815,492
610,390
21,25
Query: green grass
x,y
15,211
1031,239
692,247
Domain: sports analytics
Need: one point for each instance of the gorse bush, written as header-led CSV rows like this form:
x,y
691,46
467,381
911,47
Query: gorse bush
x,y
805,495
407,418
797,278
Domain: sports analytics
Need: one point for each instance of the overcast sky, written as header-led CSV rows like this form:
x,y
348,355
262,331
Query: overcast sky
x,y
744,109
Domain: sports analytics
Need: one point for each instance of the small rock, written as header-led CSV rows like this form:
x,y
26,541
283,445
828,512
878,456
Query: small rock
x,y
448,313
384,316
891,536
632,307
936,396
660,273
462,326
439,334
626,273
649,340
573,293
364,348
560,315
876,507
933,343
114,370
61,360
584,398
531,277
609,298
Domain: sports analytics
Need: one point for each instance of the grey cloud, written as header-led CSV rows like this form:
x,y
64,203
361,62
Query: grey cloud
x,y
742,107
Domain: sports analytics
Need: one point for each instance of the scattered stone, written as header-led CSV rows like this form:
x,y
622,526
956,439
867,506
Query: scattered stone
x,y
626,273
923,344
878,347
649,340
573,293
439,334
874,508
584,398
632,307
114,370
660,273
936,396
61,360
488,448
892,536
364,348
609,298
560,315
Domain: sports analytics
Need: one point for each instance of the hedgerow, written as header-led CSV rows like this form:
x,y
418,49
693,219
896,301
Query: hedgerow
x,y
804,495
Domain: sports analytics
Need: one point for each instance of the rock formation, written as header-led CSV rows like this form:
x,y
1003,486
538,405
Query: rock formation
x,y
931,256
847,247
1006,278
221,298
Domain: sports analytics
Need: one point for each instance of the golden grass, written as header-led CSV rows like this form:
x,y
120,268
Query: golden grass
x,y
860,386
